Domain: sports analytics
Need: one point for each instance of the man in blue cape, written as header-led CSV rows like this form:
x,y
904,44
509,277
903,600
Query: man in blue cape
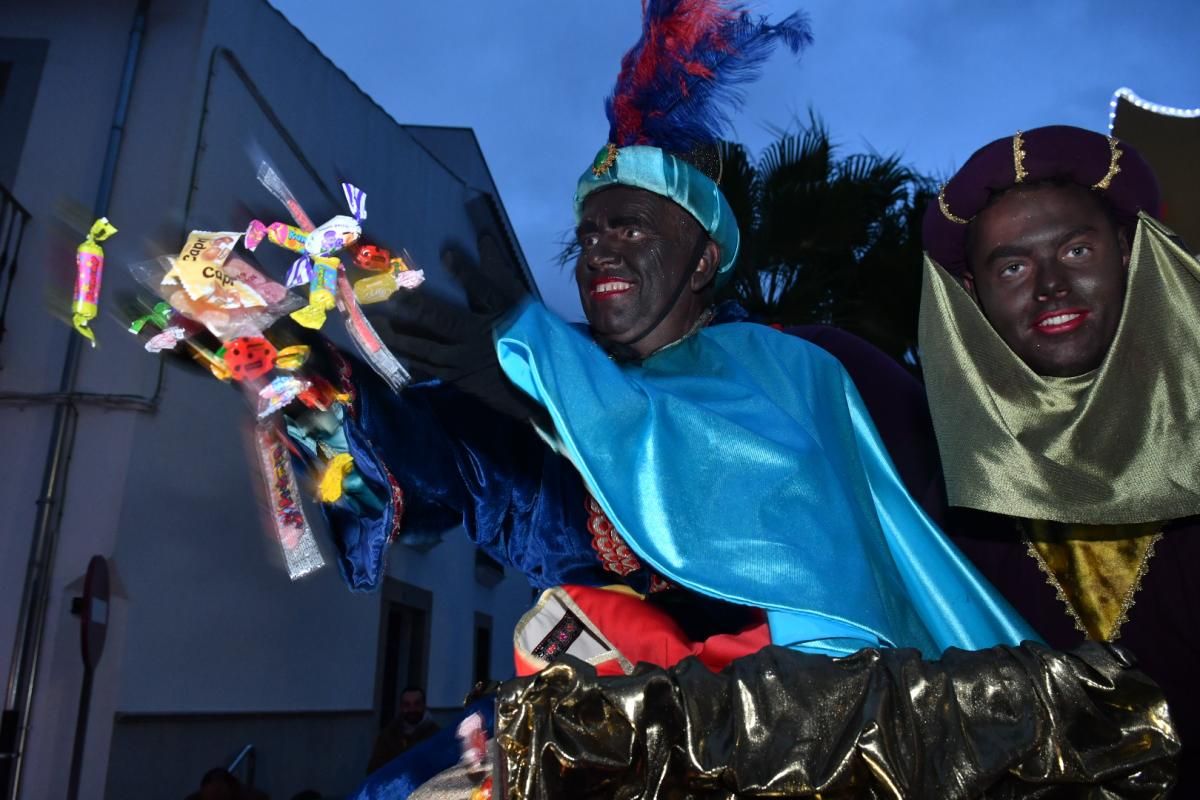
x,y
681,446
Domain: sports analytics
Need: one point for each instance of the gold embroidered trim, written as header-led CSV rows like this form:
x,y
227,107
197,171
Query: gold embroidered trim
x,y
1019,157
603,165
1052,580
1113,166
946,208
1126,604
1130,598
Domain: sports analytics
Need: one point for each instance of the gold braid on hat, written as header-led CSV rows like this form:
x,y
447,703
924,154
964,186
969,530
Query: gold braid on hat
x,y
1113,166
1019,171
944,206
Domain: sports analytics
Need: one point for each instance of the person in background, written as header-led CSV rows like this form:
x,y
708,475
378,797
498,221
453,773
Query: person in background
x,y
411,725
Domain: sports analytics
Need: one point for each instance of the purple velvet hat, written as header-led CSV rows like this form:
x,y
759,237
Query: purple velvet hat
x,y
1056,152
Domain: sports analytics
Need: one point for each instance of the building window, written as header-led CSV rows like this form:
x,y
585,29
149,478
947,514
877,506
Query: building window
x,y
404,644
21,63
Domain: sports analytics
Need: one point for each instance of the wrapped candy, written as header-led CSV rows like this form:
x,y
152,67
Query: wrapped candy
x,y
292,531
330,486
323,241
222,320
361,333
473,739
249,357
278,393
199,269
292,357
370,257
320,294
274,184
173,327
378,288
367,341
89,270
159,316
287,236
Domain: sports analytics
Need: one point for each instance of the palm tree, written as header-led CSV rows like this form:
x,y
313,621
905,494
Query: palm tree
x,y
828,239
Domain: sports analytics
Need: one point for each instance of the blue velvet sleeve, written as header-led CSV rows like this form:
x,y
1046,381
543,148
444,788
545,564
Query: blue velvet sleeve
x,y
457,461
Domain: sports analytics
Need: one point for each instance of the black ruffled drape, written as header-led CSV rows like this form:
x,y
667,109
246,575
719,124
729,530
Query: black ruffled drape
x,y
1010,722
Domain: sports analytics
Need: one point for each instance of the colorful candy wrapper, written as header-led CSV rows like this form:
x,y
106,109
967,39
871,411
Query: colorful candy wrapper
x,y
330,486
223,322
249,358
173,327
278,393
269,178
292,531
292,357
214,362
373,258
378,288
320,294
323,241
200,270
473,739
286,236
89,270
159,317
367,341
168,339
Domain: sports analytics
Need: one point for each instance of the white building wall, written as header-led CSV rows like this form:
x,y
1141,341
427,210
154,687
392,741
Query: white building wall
x,y
208,623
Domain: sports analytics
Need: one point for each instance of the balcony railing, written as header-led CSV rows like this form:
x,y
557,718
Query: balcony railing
x,y
13,221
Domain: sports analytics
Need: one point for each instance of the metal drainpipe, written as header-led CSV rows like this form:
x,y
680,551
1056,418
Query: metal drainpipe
x,y
35,597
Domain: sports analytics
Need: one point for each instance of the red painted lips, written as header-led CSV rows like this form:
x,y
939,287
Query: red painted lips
x,y
1062,320
609,286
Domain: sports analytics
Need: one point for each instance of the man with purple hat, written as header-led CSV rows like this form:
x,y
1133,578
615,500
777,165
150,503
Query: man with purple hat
x,y
1060,340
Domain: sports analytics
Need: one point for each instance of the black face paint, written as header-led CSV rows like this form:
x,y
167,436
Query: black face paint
x,y
1049,268
638,253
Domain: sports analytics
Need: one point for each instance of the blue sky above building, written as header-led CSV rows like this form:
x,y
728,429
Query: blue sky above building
x,y
931,81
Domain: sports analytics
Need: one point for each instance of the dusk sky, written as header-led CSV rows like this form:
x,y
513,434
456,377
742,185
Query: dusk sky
x,y
931,81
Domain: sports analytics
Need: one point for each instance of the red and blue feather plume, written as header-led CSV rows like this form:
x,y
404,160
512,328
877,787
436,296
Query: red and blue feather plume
x,y
688,69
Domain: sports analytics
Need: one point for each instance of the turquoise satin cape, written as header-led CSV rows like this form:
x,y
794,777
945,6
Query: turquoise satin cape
x,y
741,463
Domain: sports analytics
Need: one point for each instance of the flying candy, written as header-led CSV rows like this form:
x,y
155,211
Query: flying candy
x,y
249,357
373,258
378,288
89,269
282,390
321,289
295,537
321,242
200,269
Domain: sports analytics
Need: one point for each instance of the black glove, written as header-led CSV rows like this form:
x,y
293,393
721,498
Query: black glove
x,y
443,340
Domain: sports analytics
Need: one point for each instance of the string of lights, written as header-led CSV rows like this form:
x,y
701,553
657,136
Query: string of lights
x,y
1130,96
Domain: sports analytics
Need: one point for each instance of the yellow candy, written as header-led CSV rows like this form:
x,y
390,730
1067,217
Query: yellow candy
x,y
291,358
312,316
375,289
329,490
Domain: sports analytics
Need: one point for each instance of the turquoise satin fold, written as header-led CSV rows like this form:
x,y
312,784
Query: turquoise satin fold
x,y
655,170
741,463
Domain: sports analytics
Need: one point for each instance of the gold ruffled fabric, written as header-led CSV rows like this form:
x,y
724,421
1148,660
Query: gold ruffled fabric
x,y
1115,446
1011,722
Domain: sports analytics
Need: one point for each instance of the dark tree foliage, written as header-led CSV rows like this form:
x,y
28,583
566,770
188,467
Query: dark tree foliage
x,y
828,238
